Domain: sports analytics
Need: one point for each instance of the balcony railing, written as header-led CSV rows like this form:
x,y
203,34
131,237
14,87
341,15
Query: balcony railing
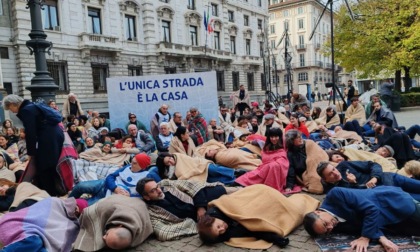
x,y
99,41
301,47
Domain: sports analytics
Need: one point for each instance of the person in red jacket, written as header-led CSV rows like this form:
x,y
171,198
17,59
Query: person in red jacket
x,y
297,122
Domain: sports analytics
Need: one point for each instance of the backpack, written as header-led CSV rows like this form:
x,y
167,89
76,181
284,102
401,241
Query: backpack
x,y
51,116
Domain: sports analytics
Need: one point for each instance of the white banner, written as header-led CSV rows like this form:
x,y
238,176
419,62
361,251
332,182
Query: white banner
x,y
143,96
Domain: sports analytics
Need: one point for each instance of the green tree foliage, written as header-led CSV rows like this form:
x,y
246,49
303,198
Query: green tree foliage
x,y
384,38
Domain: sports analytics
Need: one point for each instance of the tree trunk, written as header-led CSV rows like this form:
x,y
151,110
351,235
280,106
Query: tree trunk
x,y
407,79
398,80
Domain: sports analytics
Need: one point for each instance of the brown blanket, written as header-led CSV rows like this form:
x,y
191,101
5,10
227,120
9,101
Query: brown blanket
x,y
236,158
177,147
357,113
191,168
262,208
95,154
360,155
114,210
314,155
26,191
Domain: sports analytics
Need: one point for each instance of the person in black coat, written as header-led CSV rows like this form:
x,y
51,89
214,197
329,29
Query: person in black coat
x,y
44,142
216,227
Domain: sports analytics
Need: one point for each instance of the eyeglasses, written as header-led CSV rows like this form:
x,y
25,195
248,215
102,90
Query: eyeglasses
x,y
133,117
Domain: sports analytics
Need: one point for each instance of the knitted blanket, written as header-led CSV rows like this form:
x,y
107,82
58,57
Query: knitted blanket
x,y
52,219
262,208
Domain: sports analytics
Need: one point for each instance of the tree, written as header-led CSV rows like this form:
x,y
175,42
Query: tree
x,y
384,38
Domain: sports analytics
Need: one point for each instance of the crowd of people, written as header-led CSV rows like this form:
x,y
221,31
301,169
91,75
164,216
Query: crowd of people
x,y
223,178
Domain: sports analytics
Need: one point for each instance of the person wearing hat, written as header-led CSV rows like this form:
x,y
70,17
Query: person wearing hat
x,y
122,181
267,124
364,175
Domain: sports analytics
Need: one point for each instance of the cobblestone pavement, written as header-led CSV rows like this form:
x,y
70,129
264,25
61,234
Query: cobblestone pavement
x,y
299,241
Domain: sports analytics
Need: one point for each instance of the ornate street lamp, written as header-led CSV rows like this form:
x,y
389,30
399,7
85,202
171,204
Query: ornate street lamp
x,y
42,86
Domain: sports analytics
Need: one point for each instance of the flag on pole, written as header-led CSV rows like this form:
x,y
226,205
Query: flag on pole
x,y
210,28
206,20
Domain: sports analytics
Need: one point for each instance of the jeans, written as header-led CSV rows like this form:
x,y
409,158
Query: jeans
x,y
316,136
218,173
368,131
96,188
413,131
32,243
409,185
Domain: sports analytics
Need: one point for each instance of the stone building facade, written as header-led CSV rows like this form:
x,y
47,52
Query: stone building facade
x,y
309,64
96,39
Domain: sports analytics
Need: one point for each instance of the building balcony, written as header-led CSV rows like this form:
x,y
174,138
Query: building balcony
x,y
301,47
99,42
328,65
252,60
180,50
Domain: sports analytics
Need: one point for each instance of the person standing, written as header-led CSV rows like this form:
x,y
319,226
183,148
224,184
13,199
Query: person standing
x,y
44,142
350,92
241,99
386,92
71,106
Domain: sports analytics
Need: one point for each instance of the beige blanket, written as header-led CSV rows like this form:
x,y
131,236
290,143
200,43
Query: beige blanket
x,y
26,191
357,113
262,208
191,168
282,119
322,120
360,155
209,145
314,155
236,158
177,147
239,144
114,210
95,154
347,135
311,125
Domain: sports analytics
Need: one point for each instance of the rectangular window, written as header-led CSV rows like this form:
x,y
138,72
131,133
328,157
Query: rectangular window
x,y
191,4
4,52
130,28
246,20
260,3
250,81
285,13
49,15
273,43
235,81
1,8
272,29
263,84
300,24
300,10
286,25
302,60
260,25
8,86
214,10
231,16
220,76
217,40
58,71
261,49
302,76
135,70
193,35
233,44
94,21
99,74
248,46
166,31
301,42
170,70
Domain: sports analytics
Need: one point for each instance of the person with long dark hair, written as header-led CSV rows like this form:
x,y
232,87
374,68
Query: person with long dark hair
x,y
182,142
273,170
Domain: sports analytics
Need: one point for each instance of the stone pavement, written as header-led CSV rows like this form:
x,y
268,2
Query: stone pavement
x,y
299,241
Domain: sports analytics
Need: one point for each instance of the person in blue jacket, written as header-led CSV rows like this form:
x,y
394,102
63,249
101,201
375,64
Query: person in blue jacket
x,y
123,181
371,213
44,142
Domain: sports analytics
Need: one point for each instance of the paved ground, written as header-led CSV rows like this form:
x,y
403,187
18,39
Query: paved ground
x,y
299,239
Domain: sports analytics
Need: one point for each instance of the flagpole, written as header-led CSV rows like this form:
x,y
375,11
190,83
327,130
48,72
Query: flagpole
x,y
206,27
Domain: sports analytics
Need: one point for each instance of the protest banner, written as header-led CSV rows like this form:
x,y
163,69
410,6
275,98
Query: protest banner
x,y
143,96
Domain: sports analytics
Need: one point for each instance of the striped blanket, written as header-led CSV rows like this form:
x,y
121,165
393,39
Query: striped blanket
x,y
52,219
84,170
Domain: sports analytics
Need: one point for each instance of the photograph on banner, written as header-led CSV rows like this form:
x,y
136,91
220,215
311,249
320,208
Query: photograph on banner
x,y
143,96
